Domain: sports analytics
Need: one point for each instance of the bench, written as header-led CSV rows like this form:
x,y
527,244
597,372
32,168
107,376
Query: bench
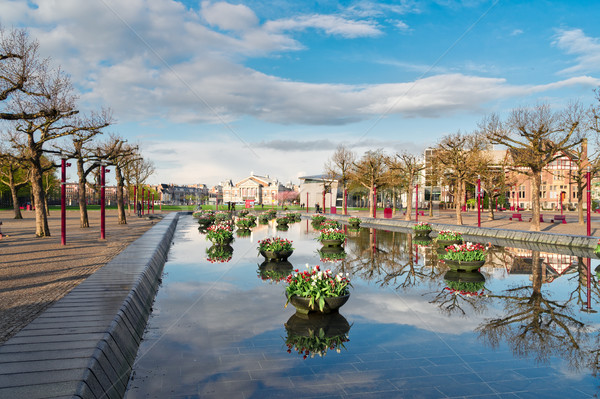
x,y
558,218
541,218
597,210
516,216
422,213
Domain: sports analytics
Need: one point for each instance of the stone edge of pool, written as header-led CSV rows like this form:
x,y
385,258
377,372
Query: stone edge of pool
x,y
84,345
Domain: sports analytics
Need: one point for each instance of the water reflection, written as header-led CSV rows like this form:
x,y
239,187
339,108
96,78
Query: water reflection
x,y
218,330
315,334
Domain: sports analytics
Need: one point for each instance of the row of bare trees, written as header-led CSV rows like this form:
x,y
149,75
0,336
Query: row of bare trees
x,y
533,137
40,123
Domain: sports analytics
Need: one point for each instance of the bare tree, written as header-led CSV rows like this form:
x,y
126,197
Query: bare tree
x,y
13,174
535,137
369,172
339,167
120,154
460,156
405,169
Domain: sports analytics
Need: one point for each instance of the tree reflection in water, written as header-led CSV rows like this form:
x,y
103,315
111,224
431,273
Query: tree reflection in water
x,y
389,258
532,322
537,326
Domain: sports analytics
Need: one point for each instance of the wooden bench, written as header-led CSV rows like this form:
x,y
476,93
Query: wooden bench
x,y
516,216
558,218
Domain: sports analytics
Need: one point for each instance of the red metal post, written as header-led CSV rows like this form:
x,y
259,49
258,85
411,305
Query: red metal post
x,y
589,202
135,199
142,203
589,283
152,202
63,202
478,202
561,200
148,200
102,210
416,202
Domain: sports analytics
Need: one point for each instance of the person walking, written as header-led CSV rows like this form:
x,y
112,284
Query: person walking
x,y
139,209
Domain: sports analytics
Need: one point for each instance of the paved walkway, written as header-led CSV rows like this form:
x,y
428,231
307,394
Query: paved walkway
x,y
36,272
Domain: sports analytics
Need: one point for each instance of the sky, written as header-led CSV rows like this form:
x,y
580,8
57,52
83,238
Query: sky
x,y
215,90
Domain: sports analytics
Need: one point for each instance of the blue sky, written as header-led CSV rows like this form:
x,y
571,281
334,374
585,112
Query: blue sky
x,y
216,90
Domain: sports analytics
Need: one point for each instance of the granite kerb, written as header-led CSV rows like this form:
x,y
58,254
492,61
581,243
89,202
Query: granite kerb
x,y
120,296
560,243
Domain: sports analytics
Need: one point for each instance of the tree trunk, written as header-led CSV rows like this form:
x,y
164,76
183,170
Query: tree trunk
x,y
491,205
408,203
580,218
458,195
371,202
120,207
84,222
536,183
37,188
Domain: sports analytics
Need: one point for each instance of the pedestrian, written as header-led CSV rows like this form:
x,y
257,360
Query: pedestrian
x,y
139,209
1,229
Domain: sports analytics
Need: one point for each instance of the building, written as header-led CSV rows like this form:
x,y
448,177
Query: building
x,y
182,194
261,190
312,188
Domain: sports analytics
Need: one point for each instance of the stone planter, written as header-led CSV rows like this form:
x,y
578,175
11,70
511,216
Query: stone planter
x,y
302,304
276,255
466,266
225,241
332,243
446,243
421,232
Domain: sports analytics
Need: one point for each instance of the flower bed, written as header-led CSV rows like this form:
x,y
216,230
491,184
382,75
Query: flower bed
x,y
331,234
245,222
330,224
316,343
317,218
422,227
467,252
317,285
354,220
447,235
220,233
275,244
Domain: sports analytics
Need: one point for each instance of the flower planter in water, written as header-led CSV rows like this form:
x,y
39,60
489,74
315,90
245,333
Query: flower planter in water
x,y
302,304
466,266
332,243
421,232
445,243
225,241
276,255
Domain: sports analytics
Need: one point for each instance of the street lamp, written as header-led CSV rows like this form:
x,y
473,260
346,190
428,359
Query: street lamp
x,y
63,200
416,202
478,201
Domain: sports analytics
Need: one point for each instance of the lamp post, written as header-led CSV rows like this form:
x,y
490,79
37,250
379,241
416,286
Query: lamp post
x,y
416,202
103,171
478,201
63,201
589,201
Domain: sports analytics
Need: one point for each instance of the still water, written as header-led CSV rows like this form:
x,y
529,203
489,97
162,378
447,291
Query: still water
x,y
522,328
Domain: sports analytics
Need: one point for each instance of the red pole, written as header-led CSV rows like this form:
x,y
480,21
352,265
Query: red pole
x,y
148,200
306,202
142,201
416,202
63,204
102,210
561,199
323,201
478,202
345,201
589,203
135,199
589,283
160,203
374,201
152,202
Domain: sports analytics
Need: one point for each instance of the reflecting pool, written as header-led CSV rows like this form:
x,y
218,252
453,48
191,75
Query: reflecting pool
x,y
524,326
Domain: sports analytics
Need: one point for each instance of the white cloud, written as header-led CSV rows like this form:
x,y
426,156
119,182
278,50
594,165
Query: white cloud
x,y
585,48
236,17
516,32
330,24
